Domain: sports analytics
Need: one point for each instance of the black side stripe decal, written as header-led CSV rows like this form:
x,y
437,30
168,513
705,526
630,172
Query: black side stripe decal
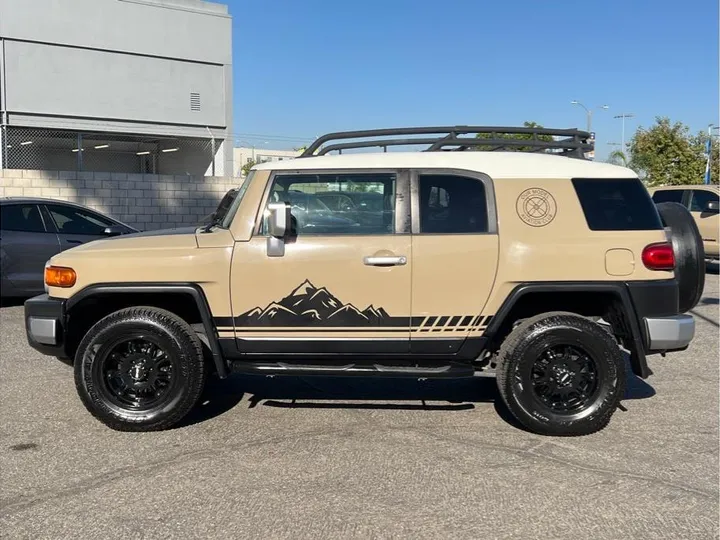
x,y
447,323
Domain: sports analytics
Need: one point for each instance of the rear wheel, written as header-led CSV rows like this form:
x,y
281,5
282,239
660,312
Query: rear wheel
x,y
140,369
561,374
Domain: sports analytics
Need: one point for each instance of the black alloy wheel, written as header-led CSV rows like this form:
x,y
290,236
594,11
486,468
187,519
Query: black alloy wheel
x,y
565,378
137,373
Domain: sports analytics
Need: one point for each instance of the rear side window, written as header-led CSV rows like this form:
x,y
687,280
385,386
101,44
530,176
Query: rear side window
x,y
452,205
668,195
21,217
617,205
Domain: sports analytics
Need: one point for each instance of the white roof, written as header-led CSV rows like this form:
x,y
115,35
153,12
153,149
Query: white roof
x,y
494,164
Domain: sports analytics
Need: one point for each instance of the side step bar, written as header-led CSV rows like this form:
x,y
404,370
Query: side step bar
x,y
448,371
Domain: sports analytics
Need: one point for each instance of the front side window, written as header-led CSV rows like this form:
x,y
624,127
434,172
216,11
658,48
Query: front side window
x,y
345,203
700,199
451,204
69,220
21,217
668,195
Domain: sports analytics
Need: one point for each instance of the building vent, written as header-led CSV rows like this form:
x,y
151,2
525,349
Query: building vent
x,y
194,101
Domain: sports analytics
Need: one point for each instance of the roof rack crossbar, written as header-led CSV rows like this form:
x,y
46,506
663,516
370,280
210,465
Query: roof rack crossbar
x,y
440,142
574,142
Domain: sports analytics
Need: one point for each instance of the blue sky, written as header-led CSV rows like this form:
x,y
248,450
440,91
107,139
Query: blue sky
x,y
305,68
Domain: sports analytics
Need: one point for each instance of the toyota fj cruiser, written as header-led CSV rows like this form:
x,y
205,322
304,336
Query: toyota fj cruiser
x,y
536,266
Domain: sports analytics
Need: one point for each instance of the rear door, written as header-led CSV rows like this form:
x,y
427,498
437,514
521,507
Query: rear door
x,y
77,226
707,221
26,244
454,258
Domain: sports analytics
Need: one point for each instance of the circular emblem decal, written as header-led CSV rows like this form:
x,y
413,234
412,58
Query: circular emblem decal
x,y
536,207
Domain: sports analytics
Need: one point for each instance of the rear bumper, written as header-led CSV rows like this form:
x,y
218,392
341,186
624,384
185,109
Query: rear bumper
x,y
45,324
669,333
657,309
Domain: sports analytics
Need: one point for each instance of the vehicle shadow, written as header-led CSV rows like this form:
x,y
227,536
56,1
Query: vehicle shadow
x,y
363,393
712,268
12,301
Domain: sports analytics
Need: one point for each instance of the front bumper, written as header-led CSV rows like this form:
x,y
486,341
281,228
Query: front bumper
x,y
670,333
45,324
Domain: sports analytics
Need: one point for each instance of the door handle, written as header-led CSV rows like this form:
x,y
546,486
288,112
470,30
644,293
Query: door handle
x,y
385,261
74,241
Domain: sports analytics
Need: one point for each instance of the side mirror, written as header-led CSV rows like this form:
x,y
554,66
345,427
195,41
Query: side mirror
x,y
279,224
279,220
712,207
114,230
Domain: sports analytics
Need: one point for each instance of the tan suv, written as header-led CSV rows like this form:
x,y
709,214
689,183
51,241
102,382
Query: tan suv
x,y
703,201
536,266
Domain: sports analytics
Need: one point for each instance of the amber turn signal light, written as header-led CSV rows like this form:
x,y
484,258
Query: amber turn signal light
x,y
59,276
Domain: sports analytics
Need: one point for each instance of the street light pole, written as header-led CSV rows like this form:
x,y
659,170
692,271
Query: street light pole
x,y
708,165
624,116
589,112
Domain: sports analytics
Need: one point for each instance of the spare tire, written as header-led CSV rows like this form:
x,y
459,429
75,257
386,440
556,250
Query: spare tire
x,y
689,253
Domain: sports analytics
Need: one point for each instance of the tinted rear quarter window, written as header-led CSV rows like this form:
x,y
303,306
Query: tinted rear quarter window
x,y
617,205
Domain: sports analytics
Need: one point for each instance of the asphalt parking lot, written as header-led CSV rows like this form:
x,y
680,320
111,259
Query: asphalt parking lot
x,y
329,458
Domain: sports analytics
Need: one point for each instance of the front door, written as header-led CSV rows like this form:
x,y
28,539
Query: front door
x,y
343,283
707,221
454,257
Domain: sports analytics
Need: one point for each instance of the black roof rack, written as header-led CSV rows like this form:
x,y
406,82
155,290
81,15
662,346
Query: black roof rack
x,y
567,142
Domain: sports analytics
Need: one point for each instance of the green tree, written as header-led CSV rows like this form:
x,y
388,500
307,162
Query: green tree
x,y
666,154
617,157
246,168
522,136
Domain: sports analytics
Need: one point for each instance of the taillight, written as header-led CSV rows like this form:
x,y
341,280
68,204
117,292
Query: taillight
x,y
659,256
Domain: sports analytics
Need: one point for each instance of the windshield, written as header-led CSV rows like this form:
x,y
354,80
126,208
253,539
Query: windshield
x,y
227,220
224,205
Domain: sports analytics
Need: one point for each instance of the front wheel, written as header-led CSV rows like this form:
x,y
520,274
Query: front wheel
x,y
561,374
140,369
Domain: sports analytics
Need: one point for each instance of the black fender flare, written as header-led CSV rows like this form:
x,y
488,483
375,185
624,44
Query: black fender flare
x,y
191,289
636,347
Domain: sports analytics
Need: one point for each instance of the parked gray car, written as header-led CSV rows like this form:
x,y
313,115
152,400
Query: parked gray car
x,y
33,230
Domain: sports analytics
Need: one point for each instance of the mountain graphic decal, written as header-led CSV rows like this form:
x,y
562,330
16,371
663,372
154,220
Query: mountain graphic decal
x,y
308,305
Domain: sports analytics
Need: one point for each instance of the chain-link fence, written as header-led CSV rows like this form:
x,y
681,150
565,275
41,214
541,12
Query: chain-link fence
x,y
46,149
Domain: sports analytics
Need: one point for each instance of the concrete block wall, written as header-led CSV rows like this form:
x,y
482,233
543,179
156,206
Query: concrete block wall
x,y
144,201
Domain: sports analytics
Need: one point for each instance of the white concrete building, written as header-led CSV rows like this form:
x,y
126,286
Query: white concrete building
x,y
126,86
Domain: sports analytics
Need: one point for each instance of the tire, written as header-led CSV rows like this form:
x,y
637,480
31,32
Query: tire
x,y
689,253
140,369
536,345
